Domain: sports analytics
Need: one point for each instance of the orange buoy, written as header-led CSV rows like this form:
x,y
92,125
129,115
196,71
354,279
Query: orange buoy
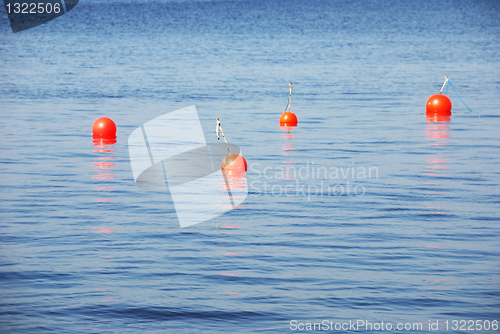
x,y
438,104
104,128
234,163
288,118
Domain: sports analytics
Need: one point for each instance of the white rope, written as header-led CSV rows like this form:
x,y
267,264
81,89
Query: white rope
x,y
446,78
289,98
219,127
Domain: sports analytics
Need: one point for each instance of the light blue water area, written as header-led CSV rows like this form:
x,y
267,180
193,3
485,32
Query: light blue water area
x,y
85,250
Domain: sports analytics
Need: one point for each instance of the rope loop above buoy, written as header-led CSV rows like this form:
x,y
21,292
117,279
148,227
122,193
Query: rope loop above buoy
x,y
447,81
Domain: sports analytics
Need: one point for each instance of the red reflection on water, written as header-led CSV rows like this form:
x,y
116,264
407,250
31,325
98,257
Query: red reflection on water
x,y
234,180
104,176
287,132
288,168
430,246
228,274
437,127
103,164
288,135
231,206
103,230
434,287
228,226
289,173
103,142
100,151
437,133
229,253
104,145
437,212
434,118
438,167
437,137
110,298
436,163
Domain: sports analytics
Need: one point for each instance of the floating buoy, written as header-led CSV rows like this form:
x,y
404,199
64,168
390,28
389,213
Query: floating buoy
x,y
233,163
104,128
288,118
439,104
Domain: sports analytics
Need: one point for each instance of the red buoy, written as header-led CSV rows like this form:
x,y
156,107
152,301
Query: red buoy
x,y
288,119
104,128
438,104
234,163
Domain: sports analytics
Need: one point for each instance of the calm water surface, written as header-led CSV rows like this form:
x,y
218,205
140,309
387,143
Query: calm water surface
x,y
83,250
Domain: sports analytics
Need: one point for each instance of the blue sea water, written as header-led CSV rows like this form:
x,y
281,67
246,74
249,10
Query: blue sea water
x,y
83,250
